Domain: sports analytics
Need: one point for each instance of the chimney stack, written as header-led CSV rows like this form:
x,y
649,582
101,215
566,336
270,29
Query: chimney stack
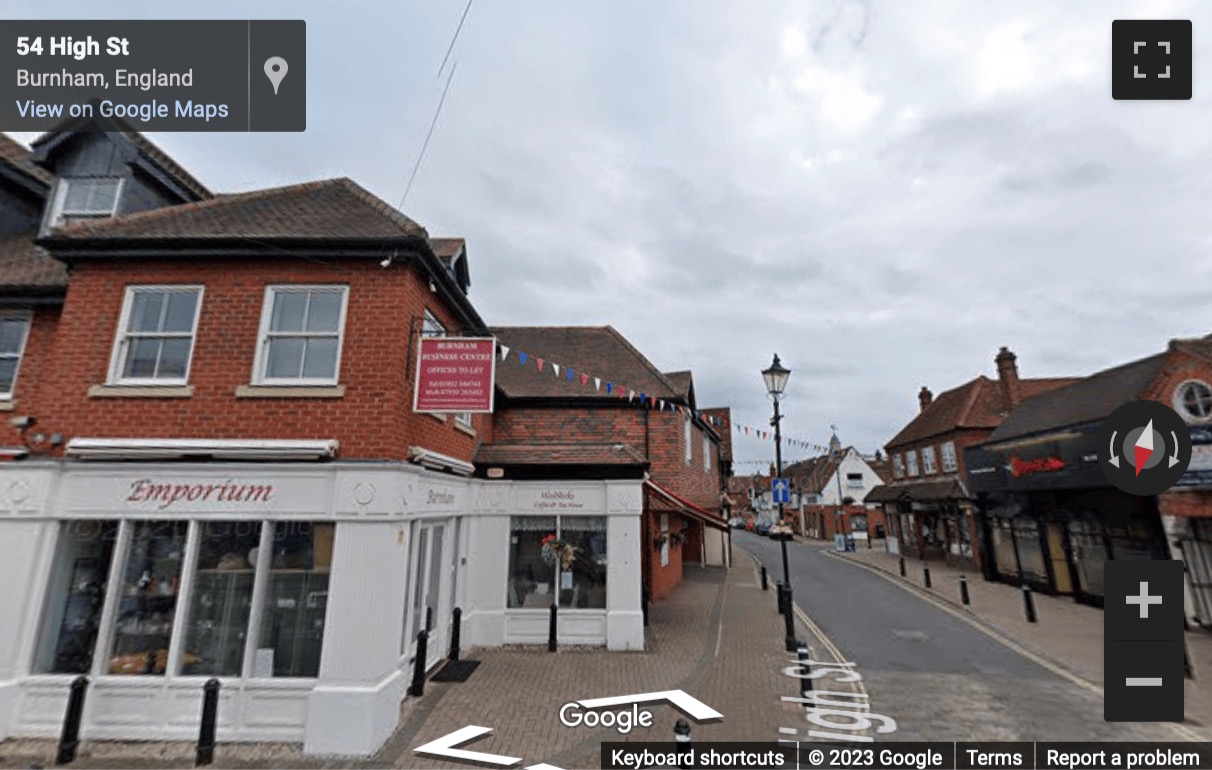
x,y
925,397
1007,375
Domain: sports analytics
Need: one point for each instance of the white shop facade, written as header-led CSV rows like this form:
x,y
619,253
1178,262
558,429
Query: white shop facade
x,y
300,586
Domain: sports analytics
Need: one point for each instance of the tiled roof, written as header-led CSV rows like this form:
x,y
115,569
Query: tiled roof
x,y
27,269
1084,401
978,403
16,156
333,209
813,474
145,146
558,454
882,468
598,351
681,382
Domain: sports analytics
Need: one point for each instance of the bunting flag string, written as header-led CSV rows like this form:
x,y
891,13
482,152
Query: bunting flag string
x,y
651,401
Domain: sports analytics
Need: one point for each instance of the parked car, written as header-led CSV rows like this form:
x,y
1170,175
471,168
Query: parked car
x,y
736,522
762,528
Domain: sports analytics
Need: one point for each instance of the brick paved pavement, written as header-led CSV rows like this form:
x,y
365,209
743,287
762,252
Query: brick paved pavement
x,y
1066,633
718,637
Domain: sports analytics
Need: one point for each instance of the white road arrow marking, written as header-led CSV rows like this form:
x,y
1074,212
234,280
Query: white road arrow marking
x,y
683,702
445,747
1114,456
1174,457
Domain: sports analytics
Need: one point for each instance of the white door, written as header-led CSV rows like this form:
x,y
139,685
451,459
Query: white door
x,y
428,610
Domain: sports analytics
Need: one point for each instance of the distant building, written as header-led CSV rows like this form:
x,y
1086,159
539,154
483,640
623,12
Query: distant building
x,y
929,499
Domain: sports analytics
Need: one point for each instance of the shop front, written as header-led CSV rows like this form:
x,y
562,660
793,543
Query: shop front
x,y
1187,516
929,520
1051,519
301,587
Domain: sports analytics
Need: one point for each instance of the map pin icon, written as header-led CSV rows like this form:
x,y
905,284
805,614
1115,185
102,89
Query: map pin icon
x,y
275,70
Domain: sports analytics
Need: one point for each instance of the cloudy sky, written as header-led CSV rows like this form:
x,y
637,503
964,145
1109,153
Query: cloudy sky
x,y
882,192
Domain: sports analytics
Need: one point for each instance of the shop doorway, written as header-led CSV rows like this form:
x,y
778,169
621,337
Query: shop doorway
x,y
430,580
1062,579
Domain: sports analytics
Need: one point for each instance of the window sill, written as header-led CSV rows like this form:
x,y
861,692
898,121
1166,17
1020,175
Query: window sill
x,y
7,405
470,431
141,391
438,417
290,391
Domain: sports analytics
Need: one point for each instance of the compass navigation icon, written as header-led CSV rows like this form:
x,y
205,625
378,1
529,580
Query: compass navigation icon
x,y
1144,448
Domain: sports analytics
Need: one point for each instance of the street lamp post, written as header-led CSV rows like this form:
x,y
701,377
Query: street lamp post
x,y
776,381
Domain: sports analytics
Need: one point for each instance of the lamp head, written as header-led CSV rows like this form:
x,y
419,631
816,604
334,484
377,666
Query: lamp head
x,y
776,377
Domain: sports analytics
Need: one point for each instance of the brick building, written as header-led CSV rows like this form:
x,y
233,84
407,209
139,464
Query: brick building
x,y
1053,518
215,468
551,424
928,501
830,489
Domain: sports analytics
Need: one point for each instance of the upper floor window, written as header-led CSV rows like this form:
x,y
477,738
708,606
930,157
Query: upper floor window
x,y
1193,400
432,327
898,467
949,462
928,463
686,441
300,338
79,198
156,335
706,454
911,462
854,480
14,329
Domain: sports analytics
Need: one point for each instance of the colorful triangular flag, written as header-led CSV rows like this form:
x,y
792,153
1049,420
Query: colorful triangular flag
x,y
504,352
584,378
570,374
609,386
556,368
539,363
522,356
597,384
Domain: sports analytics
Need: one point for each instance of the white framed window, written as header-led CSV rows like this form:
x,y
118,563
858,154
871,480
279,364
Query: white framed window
x,y
84,197
686,440
302,328
949,460
664,540
928,463
432,327
911,462
898,467
156,333
1193,400
854,480
14,331
706,454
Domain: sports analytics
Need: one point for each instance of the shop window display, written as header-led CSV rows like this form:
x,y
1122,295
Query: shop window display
x,y
557,560
147,601
75,597
221,598
292,624
531,579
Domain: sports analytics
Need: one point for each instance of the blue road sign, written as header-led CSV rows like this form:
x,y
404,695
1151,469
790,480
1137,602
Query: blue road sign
x,y
781,490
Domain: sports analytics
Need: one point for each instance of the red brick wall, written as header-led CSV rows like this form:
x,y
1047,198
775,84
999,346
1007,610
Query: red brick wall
x,y
1189,504
813,513
962,439
372,420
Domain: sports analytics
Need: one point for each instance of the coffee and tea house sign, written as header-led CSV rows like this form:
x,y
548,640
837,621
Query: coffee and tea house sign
x,y
455,374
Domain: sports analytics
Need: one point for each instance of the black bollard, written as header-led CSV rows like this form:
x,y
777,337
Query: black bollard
x,y
903,573
782,596
681,734
429,618
69,739
551,629
456,620
789,618
964,599
418,666
765,581
805,684
1029,604
926,576
206,732
645,598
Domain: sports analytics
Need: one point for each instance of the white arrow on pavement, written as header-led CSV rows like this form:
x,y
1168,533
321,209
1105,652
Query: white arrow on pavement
x,y
683,702
445,747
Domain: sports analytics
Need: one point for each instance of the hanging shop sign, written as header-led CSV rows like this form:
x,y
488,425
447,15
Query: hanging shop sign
x,y
455,374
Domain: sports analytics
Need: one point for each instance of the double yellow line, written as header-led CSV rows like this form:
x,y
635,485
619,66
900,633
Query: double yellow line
x,y
856,686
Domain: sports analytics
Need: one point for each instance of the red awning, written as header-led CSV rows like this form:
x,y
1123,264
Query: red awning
x,y
687,507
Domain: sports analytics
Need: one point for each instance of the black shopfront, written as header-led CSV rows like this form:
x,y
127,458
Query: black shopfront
x,y
1050,517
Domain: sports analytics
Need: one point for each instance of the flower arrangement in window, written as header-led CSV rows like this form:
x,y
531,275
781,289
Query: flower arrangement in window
x,y
678,538
556,551
658,542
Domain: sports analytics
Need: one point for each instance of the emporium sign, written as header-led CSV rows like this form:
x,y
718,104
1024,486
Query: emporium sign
x,y
165,494
455,374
